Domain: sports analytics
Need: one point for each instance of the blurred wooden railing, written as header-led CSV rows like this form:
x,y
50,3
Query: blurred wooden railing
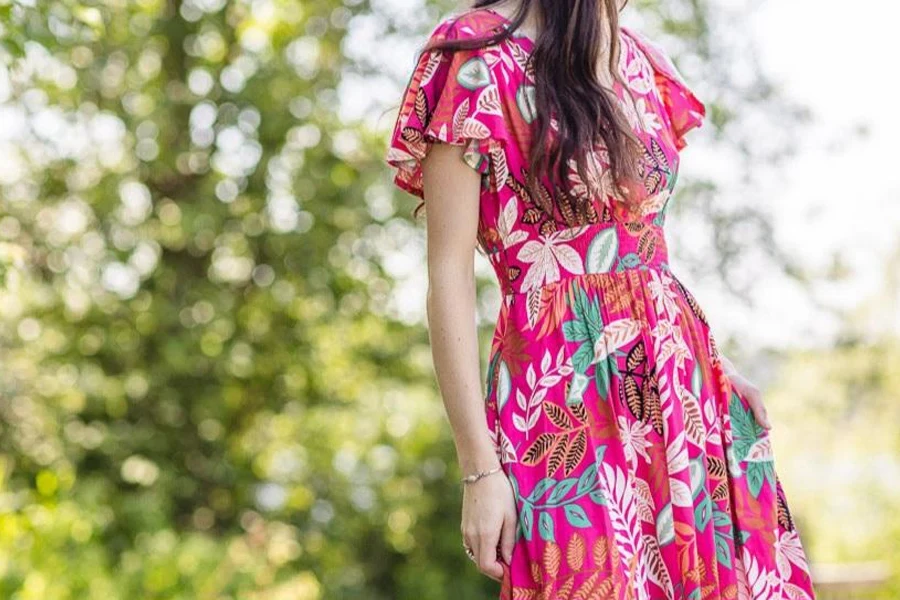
x,y
849,581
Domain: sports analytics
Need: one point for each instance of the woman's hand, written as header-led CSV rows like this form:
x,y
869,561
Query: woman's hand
x,y
489,522
748,390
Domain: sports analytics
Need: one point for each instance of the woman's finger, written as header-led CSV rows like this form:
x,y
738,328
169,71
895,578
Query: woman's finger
x,y
759,410
486,553
753,396
508,536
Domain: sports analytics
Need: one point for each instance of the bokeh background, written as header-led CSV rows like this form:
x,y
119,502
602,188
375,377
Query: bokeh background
x,y
215,381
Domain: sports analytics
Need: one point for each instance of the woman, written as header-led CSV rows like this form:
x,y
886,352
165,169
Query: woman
x,y
616,453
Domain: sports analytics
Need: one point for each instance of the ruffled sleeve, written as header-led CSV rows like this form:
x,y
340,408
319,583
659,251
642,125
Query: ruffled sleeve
x,y
684,110
451,97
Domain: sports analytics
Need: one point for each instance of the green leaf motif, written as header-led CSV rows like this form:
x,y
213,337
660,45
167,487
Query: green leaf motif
x,y
588,479
526,520
757,473
588,312
629,261
698,475
696,381
703,513
575,330
541,488
755,478
561,489
602,252
474,74
721,518
598,454
665,525
577,388
597,497
576,516
723,552
734,467
545,527
582,358
491,369
526,101
594,321
504,385
770,474
745,429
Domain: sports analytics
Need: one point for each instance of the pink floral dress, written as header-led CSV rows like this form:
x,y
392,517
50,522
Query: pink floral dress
x,y
638,470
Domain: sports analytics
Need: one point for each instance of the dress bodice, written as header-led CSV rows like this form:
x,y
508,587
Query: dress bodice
x,y
483,99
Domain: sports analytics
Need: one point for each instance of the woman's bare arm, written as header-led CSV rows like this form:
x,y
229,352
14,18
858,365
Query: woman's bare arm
x,y
452,198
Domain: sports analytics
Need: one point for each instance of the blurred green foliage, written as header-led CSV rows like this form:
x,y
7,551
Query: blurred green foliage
x,y
208,388
838,450
200,397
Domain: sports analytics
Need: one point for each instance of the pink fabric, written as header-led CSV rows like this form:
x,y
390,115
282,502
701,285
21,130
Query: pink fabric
x,y
638,469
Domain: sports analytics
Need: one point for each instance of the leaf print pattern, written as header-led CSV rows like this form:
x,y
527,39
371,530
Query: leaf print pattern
x,y
639,390
638,471
545,256
565,448
529,399
656,169
506,224
648,119
634,440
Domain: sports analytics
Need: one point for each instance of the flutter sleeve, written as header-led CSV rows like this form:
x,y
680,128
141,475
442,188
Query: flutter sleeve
x,y
684,110
451,97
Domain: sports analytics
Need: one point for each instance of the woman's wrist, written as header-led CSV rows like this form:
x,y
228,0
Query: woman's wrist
x,y
476,455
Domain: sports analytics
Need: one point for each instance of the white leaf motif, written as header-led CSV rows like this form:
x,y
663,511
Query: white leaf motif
x,y
680,492
677,454
614,336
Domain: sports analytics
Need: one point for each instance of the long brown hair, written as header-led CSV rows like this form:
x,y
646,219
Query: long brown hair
x,y
567,89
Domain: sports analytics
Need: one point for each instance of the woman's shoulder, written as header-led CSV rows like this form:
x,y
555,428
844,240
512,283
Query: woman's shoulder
x,y
452,97
684,109
473,23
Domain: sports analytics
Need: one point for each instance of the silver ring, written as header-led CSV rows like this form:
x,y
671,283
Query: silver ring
x,y
469,552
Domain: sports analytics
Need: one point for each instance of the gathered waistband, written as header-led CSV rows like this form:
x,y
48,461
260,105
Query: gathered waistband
x,y
609,247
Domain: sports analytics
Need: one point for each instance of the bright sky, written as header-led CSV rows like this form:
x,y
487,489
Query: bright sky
x,y
833,59
834,195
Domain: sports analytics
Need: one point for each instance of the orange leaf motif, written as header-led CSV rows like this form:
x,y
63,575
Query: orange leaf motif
x,y
552,559
575,452
575,552
557,415
539,448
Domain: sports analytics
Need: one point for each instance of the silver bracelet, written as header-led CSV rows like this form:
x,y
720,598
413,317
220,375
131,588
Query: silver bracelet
x,y
476,476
